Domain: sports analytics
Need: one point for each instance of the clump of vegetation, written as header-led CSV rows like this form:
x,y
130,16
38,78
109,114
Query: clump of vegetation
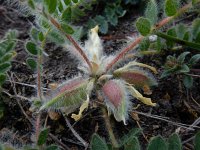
x,y
155,143
7,45
103,82
113,10
178,66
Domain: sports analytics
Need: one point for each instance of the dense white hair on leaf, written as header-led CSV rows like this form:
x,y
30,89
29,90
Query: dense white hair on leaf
x,y
74,53
70,94
120,112
104,61
93,46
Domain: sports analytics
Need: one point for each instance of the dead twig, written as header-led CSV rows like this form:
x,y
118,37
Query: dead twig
x,y
185,126
195,123
188,140
195,101
145,137
28,85
16,95
76,134
65,147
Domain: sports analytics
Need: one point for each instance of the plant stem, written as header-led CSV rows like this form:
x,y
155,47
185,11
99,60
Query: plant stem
x,y
179,41
76,134
139,39
195,70
78,48
37,126
193,75
123,52
109,128
39,82
39,72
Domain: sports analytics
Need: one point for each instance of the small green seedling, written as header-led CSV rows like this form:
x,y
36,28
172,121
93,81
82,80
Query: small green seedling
x,y
7,45
177,65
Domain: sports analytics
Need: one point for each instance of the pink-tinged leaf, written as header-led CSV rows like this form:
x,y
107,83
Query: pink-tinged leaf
x,y
70,85
69,94
115,98
136,77
113,92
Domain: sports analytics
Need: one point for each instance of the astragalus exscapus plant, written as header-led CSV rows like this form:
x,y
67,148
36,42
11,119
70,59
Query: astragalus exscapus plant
x,y
114,86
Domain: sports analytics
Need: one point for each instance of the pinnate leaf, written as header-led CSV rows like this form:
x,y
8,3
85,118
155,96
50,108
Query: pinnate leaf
x,y
51,5
195,28
34,33
67,29
43,136
131,134
132,144
157,143
181,29
7,57
174,142
188,81
31,4
103,24
181,57
4,67
194,59
184,69
56,37
151,11
171,7
197,141
144,44
66,15
143,26
2,79
67,2
31,63
97,143
171,32
75,1
31,48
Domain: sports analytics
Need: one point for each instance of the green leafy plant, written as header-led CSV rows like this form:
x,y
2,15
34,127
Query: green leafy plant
x,y
128,141
181,36
113,10
94,67
114,86
178,65
178,36
7,45
72,12
155,143
101,74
